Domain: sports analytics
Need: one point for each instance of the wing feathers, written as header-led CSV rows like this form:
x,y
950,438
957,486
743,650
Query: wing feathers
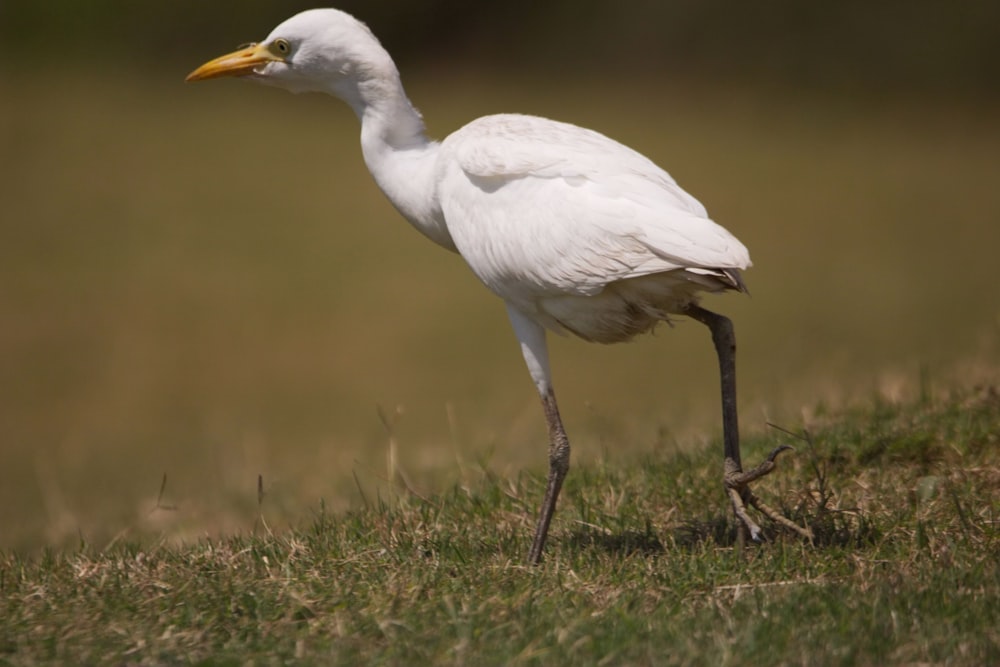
x,y
540,208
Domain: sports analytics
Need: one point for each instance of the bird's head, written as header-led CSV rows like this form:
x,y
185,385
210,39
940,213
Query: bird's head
x,y
319,50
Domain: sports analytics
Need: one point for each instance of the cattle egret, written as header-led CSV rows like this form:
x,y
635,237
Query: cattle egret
x,y
574,231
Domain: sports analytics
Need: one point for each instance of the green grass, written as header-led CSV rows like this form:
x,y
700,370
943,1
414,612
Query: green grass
x,y
201,285
204,282
640,569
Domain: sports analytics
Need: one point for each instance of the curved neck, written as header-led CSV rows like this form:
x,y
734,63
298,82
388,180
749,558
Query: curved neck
x,y
398,153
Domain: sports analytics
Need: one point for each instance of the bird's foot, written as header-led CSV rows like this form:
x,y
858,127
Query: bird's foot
x,y
738,485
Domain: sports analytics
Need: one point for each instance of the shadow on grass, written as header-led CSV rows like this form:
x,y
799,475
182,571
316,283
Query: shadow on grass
x,y
687,537
829,532
621,543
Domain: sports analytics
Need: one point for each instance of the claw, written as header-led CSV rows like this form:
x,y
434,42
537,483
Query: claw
x,y
738,484
740,508
777,450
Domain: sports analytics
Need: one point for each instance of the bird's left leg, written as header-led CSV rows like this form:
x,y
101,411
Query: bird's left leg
x,y
736,479
535,350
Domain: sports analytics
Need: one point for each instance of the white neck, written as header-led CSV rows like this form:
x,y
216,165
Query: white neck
x,y
397,152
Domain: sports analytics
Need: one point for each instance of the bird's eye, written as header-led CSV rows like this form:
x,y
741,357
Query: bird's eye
x,y
281,46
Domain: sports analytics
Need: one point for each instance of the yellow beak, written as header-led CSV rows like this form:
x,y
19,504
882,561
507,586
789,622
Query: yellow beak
x,y
238,63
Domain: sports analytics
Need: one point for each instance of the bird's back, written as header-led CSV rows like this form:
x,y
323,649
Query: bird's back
x,y
577,230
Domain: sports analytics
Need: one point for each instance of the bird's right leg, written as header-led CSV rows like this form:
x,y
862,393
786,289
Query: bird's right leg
x,y
535,350
737,480
558,467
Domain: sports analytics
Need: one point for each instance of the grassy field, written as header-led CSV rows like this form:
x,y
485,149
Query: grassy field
x,y
200,289
202,282
641,570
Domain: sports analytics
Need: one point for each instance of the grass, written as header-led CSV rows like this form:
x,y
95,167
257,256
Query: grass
x,y
201,286
204,282
641,567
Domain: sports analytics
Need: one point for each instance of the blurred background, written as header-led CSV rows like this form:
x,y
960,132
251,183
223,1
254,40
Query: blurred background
x,y
201,282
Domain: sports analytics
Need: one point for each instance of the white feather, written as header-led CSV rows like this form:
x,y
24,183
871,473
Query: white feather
x,y
572,229
560,221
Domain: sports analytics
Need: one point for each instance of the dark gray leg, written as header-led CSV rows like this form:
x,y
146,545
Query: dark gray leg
x,y
738,482
558,467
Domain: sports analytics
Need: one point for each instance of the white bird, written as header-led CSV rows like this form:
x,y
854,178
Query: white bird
x,y
574,231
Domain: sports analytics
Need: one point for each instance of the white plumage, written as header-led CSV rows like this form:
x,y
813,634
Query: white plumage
x,y
562,222
574,231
